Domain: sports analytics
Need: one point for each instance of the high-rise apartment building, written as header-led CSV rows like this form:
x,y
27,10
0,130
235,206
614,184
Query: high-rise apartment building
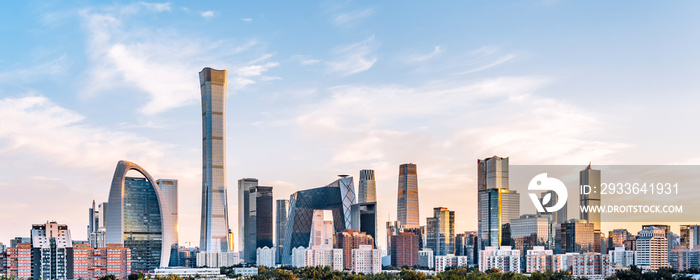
x,y
407,205
621,257
214,225
168,187
322,231
446,261
94,263
617,237
404,250
349,240
265,256
590,177
260,222
318,256
137,217
652,248
244,186
497,204
366,260
541,260
281,227
52,248
367,187
440,231
19,261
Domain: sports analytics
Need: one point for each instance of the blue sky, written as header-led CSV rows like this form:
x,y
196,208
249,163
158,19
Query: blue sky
x,y
325,88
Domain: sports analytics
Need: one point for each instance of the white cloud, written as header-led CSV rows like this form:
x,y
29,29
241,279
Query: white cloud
x,y
247,19
354,58
207,14
160,62
420,58
351,17
445,126
305,60
56,152
490,64
158,7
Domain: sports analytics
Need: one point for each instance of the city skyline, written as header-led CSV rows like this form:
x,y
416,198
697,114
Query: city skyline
x,y
303,114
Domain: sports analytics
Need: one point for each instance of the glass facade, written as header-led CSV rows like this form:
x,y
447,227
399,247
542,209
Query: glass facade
x,y
364,219
244,186
214,230
143,232
135,218
497,204
407,205
338,197
590,177
281,227
260,222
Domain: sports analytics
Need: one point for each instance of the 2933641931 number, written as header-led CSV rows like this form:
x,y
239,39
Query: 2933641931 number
x,y
639,188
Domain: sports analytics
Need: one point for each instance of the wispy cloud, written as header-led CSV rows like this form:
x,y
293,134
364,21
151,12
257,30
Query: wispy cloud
x,y
354,58
29,74
46,147
305,60
158,7
247,19
439,125
423,57
490,64
162,63
343,19
207,14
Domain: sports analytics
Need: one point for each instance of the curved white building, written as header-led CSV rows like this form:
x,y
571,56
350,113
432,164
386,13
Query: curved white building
x,y
137,217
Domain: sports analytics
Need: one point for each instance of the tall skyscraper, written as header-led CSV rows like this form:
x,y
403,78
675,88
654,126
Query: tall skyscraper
x,y
407,206
169,189
590,177
244,186
137,218
260,222
367,187
281,227
441,231
214,231
497,204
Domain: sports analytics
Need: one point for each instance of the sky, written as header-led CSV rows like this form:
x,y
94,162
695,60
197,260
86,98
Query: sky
x,y
322,88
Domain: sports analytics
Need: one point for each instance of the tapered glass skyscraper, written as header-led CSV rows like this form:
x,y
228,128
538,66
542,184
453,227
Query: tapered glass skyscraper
x,y
214,231
407,206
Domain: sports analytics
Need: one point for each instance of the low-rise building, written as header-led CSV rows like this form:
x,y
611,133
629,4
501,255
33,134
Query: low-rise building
x,y
589,265
211,273
318,256
621,257
443,262
504,258
426,259
541,260
218,259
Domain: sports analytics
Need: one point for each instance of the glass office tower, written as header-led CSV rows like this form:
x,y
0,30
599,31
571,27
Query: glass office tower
x,y
591,177
214,230
281,227
137,218
338,197
407,205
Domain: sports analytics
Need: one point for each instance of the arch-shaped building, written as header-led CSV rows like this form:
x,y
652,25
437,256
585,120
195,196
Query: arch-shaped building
x,y
137,218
